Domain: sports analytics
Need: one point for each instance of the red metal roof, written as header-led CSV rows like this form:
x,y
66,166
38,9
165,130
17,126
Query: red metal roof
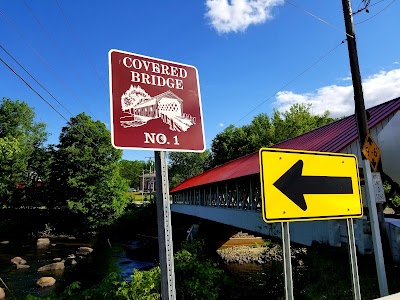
x,y
333,137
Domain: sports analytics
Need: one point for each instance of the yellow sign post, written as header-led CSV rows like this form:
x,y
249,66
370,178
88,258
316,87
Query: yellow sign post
x,y
305,185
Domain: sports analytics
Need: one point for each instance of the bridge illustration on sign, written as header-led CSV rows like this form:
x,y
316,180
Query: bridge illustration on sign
x,y
139,108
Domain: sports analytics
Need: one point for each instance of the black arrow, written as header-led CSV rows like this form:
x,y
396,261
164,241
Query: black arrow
x,y
294,186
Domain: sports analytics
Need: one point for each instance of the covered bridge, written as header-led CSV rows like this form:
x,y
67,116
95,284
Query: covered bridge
x,y
230,193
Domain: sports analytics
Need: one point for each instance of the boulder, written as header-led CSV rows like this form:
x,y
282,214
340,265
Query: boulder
x,y
84,251
23,266
2,293
43,242
18,261
45,281
52,267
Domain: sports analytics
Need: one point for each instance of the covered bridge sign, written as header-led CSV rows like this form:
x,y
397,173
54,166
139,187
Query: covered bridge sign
x,y
155,104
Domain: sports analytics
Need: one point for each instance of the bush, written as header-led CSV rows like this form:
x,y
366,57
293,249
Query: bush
x,y
196,277
145,285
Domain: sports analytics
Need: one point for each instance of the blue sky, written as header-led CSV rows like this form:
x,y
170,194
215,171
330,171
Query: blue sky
x,y
252,56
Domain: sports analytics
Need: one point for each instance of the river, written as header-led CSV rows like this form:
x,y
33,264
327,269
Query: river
x,y
105,258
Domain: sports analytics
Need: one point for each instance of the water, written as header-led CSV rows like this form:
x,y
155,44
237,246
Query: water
x,y
88,270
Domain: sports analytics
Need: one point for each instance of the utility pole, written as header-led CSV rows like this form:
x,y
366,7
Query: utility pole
x,y
142,185
152,177
150,159
361,119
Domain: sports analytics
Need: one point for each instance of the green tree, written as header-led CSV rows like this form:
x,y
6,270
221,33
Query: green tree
x,y
296,121
21,140
183,165
12,167
85,172
228,145
264,131
132,170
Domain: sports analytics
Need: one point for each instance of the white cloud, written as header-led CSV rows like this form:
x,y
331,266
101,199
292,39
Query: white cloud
x,y
221,124
236,15
378,88
348,78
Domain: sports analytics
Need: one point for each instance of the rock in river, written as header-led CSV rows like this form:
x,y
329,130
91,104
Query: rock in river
x,y
23,266
45,281
84,251
52,267
43,242
18,261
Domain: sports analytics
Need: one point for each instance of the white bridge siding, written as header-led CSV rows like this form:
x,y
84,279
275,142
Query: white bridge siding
x,y
332,232
237,202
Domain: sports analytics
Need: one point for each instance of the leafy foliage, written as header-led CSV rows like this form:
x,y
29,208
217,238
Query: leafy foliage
x,y
145,285
196,276
85,172
12,166
297,120
184,165
264,131
21,139
132,170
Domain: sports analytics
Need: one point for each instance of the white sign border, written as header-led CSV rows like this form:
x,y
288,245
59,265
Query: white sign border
x,y
112,112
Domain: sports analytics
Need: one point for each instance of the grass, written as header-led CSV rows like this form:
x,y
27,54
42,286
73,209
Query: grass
x,y
139,197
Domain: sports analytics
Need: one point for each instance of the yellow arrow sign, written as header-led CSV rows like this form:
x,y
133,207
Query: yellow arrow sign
x,y
305,185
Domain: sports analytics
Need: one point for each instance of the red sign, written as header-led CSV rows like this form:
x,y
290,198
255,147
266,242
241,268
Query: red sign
x,y
155,104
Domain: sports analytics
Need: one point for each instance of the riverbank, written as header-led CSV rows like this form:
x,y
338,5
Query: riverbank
x,y
319,272
22,228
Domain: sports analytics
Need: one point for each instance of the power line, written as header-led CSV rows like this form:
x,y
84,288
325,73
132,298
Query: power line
x,y
366,6
82,47
47,102
44,88
316,17
58,49
41,97
9,54
375,14
45,62
291,81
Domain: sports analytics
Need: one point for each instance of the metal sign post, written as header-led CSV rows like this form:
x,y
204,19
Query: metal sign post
x,y
291,179
155,104
353,261
376,236
287,261
164,227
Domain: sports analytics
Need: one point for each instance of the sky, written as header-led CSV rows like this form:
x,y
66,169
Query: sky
x,y
252,56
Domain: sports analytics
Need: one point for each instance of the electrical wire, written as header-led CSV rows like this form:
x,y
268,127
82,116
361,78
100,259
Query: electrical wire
x,y
22,67
45,62
366,7
47,102
82,46
291,81
59,50
375,14
318,18
40,96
